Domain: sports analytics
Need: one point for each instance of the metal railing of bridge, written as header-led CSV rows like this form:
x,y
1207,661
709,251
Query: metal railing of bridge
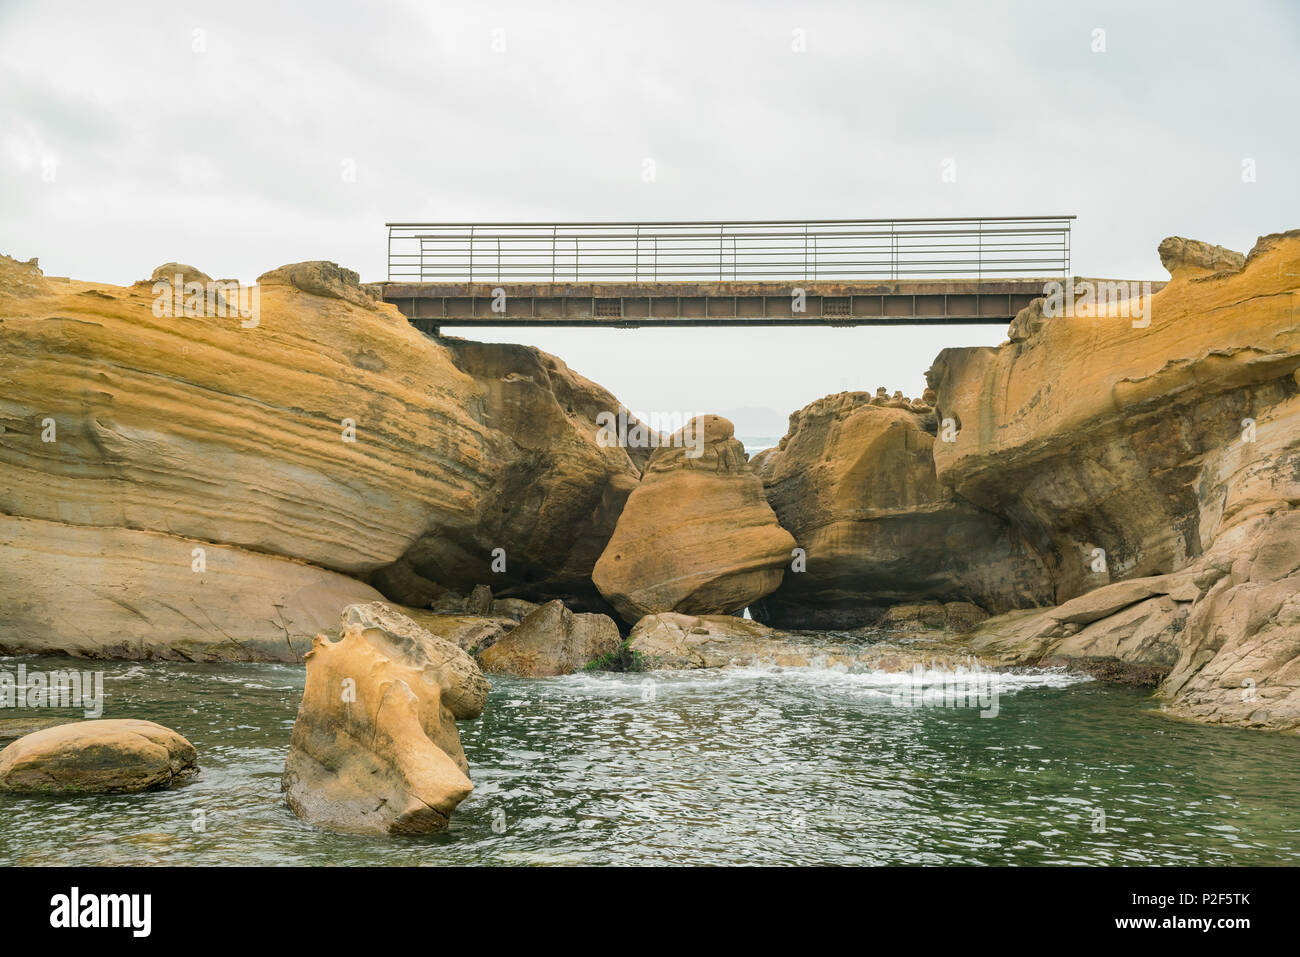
x,y
827,249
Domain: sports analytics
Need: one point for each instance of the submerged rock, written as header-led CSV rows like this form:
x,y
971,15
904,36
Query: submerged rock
x,y
95,757
697,535
375,748
552,641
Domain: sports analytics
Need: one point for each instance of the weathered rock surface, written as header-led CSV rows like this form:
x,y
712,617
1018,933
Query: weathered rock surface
x,y
552,641
103,592
697,535
669,641
1156,466
375,748
854,482
471,633
92,757
329,434
1182,256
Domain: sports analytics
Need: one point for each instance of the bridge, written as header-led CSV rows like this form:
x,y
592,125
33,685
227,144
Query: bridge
x,y
779,273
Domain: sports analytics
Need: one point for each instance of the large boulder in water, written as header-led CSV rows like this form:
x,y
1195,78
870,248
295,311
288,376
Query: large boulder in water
x,y
696,536
95,757
375,748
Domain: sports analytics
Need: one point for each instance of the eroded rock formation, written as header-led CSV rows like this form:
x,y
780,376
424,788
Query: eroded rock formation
x,y
552,641
697,535
1152,456
308,450
854,482
375,748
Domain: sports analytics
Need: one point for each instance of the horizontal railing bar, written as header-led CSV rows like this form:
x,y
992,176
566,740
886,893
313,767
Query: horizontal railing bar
x,y
750,222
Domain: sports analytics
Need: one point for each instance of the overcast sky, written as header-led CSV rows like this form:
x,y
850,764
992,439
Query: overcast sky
x,y
225,134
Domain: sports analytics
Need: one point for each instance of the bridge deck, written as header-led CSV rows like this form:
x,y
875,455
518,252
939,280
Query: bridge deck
x,y
432,305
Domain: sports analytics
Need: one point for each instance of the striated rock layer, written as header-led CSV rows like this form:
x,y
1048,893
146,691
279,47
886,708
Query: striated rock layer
x,y
854,482
697,535
317,436
1154,461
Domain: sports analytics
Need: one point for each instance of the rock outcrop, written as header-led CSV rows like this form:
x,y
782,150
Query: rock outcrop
x,y
1151,455
697,535
321,446
97,757
854,482
671,641
375,748
552,641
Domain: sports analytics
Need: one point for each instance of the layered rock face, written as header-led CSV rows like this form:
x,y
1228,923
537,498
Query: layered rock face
x,y
314,444
375,748
552,641
1154,459
854,482
556,492
97,757
697,535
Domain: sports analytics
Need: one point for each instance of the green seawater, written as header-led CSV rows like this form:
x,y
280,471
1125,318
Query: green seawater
x,y
755,766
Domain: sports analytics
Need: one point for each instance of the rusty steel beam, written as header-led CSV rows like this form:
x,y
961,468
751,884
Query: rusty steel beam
x,y
630,305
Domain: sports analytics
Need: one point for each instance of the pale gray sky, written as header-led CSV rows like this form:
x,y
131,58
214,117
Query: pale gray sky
x,y
218,133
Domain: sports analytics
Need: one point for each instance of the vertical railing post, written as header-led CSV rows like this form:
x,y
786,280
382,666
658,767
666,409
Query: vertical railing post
x,y
979,255
637,259
553,229
498,259
471,254
721,228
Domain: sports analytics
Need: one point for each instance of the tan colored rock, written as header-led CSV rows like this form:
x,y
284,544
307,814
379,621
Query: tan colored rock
x,y
103,592
375,748
854,483
168,272
697,534
96,757
222,435
552,641
672,641
1092,435
324,279
1193,257
469,632
1174,447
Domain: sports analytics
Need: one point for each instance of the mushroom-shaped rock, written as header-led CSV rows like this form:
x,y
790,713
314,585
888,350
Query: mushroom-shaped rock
x,y
375,748
97,757
552,641
697,535
319,278
1180,255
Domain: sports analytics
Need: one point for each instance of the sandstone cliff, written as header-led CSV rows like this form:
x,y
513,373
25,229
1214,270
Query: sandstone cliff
x,y
1154,460
214,485
854,482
